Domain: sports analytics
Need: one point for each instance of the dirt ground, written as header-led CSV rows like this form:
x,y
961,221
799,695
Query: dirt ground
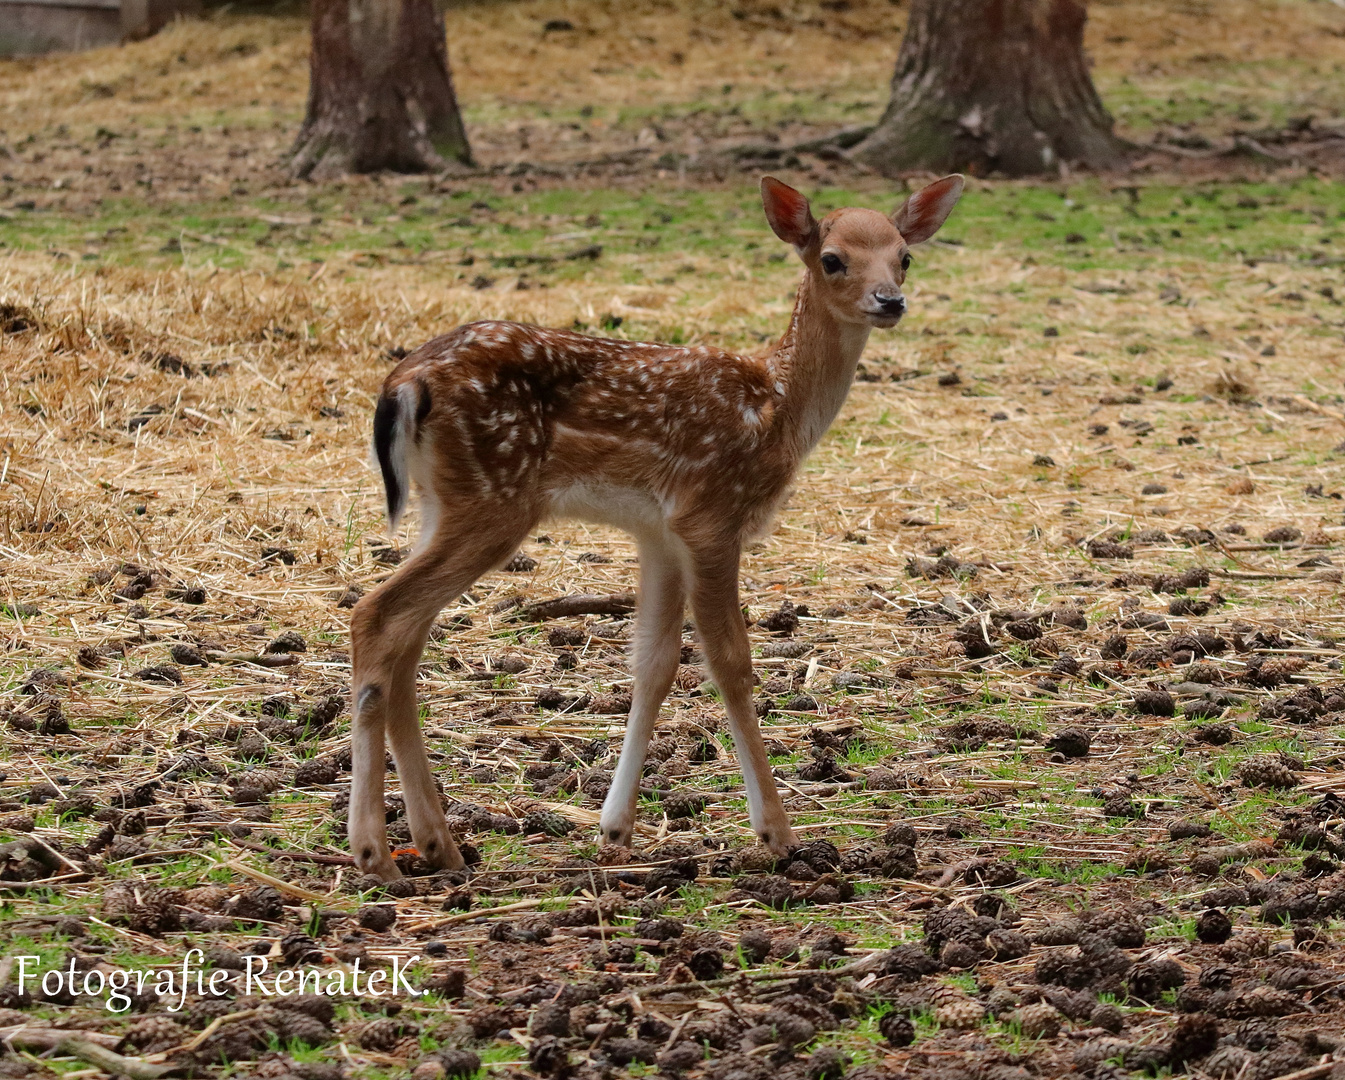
x,y
1049,637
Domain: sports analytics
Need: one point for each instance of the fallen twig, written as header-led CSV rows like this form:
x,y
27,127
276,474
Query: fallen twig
x,y
862,966
578,604
91,1046
279,884
468,916
210,1029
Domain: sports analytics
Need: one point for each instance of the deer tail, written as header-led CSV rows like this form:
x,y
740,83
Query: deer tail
x,y
397,419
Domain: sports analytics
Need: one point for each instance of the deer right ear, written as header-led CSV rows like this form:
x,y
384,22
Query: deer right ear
x,y
919,217
788,213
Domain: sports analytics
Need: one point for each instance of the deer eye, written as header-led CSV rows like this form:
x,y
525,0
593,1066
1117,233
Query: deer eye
x,y
905,262
832,264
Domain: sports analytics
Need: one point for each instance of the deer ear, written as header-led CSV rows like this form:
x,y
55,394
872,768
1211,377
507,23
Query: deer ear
x,y
788,213
919,217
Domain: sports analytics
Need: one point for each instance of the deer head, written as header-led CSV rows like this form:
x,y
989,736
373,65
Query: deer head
x,y
857,259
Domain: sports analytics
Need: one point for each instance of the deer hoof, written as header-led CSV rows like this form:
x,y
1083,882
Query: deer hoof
x,y
376,861
441,852
780,841
618,835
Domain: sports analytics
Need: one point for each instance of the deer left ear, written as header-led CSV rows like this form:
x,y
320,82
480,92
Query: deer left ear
x,y
788,212
921,215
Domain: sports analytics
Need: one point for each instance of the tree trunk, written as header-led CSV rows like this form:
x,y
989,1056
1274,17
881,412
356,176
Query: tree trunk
x,y
380,95
993,85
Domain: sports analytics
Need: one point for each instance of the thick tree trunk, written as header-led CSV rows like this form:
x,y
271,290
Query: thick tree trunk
x,y
380,95
993,85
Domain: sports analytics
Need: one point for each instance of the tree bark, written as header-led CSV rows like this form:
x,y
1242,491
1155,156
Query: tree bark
x,y
380,95
987,86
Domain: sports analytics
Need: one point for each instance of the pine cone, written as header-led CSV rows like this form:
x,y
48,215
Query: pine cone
x,y
1196,999
208,1009
1148,980
757,859
299,1026
1196,1036
1293,977
1073,742
1228,1063
1283,1059
1264,1001
145,908
547,822
1039,1021
953,1009
957,954
720,1031
237,1041
486,1021
897,1029
1256,1034
316,772
1114,648
1064,932
1089,1057
1120,805
659,929
1108,1017
679,805
1147,860
408,1046
1248,945
300,949
459,1064
266,781
1213,927
898,861
151,1034
1001,1001
864,855
318,1006
1273,672
1008,944
381,1035
1269,773
1154,703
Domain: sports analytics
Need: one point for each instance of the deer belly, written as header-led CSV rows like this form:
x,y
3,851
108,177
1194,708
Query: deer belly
x,y
635,511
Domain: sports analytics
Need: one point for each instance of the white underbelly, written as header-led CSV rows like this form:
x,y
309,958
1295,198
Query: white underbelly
x,y
637,512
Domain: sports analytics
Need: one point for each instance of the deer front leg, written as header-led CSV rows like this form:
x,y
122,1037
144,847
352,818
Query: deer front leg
x,y
658,642
719,621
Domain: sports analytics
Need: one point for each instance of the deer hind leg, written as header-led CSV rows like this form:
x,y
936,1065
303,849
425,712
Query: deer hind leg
x,y
388,632
658,645
719,622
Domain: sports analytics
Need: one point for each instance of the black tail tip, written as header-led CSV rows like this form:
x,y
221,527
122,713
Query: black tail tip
x,y
385,430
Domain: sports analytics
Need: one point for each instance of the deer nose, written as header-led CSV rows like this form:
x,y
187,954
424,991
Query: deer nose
x,y
891,304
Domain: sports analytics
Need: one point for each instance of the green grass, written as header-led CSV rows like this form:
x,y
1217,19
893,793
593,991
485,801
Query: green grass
x,y
467,234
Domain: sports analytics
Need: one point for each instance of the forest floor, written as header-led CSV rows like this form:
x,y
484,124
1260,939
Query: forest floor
x,y
1049,638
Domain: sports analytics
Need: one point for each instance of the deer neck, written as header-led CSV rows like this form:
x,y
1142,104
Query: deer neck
x,y
814,364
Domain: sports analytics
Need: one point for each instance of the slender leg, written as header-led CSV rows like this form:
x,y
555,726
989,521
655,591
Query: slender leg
x,y
719,621
388,632
658,639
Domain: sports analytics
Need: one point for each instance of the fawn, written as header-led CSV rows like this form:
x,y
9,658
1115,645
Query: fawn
x,y
689,449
